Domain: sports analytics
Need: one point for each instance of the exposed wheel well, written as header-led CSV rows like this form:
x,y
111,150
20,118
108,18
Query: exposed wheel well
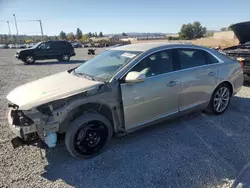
x,y
102,109
230,86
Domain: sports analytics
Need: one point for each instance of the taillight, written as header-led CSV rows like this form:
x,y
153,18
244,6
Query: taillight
x,y
241,61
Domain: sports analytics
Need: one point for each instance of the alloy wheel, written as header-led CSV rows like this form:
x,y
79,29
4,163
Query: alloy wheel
x,y
29,59
65,57
221,99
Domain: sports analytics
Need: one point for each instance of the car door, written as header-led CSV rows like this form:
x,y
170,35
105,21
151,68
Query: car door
x,y
41,52
198,77
157,96
55,49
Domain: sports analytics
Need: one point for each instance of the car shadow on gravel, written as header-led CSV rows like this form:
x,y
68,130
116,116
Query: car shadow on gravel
x,y
196,150
57,62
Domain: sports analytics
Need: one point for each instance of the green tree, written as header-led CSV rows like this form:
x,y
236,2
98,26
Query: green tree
x,y
96,34
124,34
93,34
62,35
100,34
54,37
223,29
84,38
170,38
46,38
199,31
78,34
89,35
230,28
71,36
209,34
5,38
192,31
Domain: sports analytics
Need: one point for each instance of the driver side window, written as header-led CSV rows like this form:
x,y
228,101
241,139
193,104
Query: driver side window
x,y
156,64
44,46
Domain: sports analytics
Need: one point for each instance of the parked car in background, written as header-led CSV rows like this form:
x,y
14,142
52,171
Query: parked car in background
x,y
241,52
60,50
114,46
22,46
18,46
121,90
12,46
77,45
97,45
29,45
4,46
88,45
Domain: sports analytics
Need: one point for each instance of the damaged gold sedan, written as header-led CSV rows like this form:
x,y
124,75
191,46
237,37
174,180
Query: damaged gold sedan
x,y
122,90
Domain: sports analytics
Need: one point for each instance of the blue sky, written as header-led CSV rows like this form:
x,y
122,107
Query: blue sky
x,y
114,16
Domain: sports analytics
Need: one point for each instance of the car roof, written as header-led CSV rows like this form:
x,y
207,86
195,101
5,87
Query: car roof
x,y
60,41
149,46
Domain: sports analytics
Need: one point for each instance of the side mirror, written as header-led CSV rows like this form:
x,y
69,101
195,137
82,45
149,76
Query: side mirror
x,y
135,77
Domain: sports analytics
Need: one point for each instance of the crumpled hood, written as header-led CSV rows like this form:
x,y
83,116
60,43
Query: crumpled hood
x,y
242,31
48,89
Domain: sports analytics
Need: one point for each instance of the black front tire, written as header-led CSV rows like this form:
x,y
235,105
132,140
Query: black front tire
x,y
30,59
85,126
212,107
65,57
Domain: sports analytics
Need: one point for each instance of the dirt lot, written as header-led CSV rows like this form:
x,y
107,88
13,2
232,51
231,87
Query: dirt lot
x,y
197,150
208,42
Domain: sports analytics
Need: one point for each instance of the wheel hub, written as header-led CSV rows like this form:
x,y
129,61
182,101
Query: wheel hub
x,y
221,99
91,137
29,59
65,57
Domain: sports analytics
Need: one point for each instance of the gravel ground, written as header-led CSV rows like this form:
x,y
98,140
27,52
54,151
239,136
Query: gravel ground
x,y
197,150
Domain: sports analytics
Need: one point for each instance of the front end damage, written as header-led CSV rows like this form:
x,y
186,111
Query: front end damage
x,y
41,124
30,126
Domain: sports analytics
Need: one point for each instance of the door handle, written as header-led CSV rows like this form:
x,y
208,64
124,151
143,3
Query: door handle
x,y
172,83
211,73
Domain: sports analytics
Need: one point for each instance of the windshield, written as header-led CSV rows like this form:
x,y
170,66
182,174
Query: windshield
x,y
105,65
37,44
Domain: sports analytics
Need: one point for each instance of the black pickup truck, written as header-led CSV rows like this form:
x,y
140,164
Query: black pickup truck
x,y
241,52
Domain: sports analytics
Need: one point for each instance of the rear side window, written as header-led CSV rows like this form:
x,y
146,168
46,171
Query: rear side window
x,y
60,45
211,59
66,45
56,45
191,58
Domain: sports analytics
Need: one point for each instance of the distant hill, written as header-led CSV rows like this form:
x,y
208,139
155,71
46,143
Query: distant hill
x,y
136,34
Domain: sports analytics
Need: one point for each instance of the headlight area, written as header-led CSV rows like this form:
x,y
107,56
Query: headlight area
x,y
48,128
23,126
35,125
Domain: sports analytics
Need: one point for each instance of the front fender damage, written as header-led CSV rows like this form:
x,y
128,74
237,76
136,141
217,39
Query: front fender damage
x,y
55,117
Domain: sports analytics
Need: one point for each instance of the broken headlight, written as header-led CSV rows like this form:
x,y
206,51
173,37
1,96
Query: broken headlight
x,y
49,107
58,104
44,109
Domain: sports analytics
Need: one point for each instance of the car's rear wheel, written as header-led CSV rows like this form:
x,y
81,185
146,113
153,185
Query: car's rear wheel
x,y
220,99
88,135
29,59
65,57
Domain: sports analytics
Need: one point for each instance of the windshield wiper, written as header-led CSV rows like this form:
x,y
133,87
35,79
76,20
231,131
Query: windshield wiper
x,y
84,75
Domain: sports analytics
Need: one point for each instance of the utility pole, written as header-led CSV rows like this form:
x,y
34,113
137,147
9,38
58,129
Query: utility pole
x,y
16,25
9,27
41,28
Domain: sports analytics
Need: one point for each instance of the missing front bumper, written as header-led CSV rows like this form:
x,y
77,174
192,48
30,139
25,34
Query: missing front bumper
x,y
20,131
